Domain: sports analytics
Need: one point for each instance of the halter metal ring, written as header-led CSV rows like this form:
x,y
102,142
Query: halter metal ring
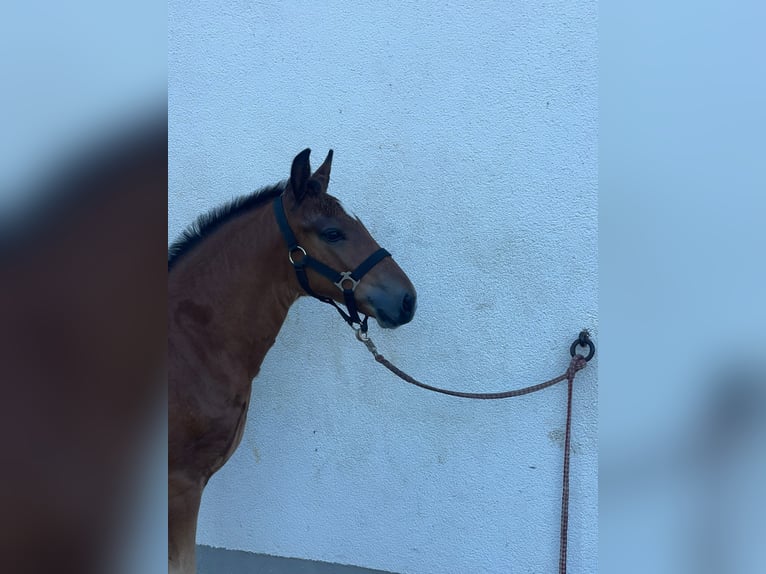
x,y
361,335
346,276
296,248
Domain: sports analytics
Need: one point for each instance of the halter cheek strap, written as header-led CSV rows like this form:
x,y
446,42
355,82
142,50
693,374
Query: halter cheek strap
x,y
346,281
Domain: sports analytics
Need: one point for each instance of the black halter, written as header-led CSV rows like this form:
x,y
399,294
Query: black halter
x,y
338,279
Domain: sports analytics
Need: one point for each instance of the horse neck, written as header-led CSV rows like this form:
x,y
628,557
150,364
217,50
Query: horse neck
x,y
234,290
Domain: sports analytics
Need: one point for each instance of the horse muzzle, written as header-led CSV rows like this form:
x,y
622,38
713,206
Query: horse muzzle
x,y
392,310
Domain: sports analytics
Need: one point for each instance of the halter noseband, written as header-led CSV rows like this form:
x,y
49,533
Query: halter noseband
x,y
339,279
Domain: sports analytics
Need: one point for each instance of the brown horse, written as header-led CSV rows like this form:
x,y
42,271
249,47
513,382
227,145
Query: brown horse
x,y
232,278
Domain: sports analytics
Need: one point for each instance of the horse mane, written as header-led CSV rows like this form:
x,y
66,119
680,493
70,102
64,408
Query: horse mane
x,y
209,222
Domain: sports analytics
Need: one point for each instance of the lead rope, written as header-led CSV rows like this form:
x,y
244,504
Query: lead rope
x,y
577,363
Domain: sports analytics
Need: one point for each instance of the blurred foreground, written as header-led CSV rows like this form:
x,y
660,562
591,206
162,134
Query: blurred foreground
x,y
683,492
682,354
82,351
83,191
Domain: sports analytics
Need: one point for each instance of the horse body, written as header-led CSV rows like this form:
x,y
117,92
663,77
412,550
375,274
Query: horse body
x,y
227,300
215,350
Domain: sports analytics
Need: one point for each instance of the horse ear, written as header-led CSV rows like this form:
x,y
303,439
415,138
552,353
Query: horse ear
x,y
322,174
300,174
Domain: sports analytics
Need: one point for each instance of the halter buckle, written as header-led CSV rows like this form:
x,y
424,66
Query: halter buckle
x,y
346,276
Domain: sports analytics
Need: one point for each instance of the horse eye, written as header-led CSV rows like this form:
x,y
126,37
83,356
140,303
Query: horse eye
x,y
332,235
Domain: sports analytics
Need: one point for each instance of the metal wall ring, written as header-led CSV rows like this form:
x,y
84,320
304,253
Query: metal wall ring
x,y
583,340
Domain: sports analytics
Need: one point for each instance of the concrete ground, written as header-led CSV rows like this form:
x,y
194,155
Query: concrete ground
x,y
222,561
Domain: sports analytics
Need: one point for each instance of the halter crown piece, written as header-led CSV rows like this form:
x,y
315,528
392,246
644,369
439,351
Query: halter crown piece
x,y
346,281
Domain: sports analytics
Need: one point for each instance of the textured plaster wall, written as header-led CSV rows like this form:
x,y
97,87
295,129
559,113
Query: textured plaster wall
x,y
465,137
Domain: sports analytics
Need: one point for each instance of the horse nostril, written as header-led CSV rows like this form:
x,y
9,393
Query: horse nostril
x,y
408,304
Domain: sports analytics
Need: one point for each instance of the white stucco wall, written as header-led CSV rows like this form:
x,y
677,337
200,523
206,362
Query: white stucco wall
x,y
465,136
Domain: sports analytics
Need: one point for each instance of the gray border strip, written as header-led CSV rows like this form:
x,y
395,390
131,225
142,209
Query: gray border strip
x,y
223,561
